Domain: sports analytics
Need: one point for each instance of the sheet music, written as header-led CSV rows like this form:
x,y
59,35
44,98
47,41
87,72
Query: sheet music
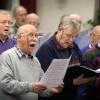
x,y
55,72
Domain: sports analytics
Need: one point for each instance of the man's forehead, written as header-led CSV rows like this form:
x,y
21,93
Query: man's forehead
x,y
30,30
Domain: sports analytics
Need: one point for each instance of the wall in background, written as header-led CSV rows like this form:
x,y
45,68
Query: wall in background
x,y
50,12
9,5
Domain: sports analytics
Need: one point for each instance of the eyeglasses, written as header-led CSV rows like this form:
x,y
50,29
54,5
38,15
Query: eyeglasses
x,y
96,36
6,22
70,36
30,35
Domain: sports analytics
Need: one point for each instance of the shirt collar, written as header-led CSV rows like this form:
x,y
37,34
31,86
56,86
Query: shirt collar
x,y
21,54
90,45
58,45
3,41
97,46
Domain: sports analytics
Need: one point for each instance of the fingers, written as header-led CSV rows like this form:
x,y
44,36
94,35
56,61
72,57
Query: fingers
x,y
81,80
38,88
87,79
57,89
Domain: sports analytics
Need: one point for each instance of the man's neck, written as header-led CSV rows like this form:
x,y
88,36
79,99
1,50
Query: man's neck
x,y
17,25
3,37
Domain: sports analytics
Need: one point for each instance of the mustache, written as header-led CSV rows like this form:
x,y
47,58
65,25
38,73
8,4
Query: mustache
x,y
32,44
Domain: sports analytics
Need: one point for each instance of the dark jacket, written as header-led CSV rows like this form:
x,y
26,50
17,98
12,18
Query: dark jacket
x,y
50,50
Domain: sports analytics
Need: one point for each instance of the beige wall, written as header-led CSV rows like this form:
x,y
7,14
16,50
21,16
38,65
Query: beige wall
x,y
50,12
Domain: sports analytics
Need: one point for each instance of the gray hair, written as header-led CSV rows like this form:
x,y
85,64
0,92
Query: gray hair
x,y
22,28
64,17
66,22
4,12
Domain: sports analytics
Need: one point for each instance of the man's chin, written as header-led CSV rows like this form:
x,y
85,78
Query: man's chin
x,y
6,34
31,49
65,46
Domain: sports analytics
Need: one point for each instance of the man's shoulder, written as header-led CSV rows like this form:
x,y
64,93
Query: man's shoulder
x,y
46,46
9,51
11,41
90,50
48,42
85,48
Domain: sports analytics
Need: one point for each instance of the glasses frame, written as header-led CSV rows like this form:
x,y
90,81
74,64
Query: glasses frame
x,y
4,22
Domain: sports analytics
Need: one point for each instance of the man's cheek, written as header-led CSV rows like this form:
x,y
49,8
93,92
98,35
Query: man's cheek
x,y
1,30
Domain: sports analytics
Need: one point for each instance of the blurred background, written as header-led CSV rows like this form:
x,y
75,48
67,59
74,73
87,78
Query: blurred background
x,y
50,11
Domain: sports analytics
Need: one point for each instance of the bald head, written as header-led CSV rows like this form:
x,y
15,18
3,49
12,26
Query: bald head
x,y
19,8
19,14
95,35
96,29
76,17
25,27
32,19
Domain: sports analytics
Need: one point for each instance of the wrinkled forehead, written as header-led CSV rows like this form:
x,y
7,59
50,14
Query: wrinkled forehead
x,y
96,31
28,30
71,30
5,17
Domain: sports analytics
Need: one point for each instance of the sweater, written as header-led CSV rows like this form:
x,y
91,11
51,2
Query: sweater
x,y
17,75
83,50
50,50
9,43
93,56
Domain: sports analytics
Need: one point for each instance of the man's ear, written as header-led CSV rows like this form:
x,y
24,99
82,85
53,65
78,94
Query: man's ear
x,y
91,34
19,36
60,30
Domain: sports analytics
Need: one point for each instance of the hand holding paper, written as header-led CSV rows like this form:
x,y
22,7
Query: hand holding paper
x,y
55,73
57,89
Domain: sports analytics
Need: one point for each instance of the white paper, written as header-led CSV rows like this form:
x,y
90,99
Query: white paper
x,y
55,73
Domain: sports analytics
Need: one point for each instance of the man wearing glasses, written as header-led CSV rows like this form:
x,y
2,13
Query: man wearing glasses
x,y
6,42
20,71
61,46
94,34
19,14
92,54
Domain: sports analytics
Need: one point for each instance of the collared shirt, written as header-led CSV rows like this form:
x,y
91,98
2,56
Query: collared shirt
x,y
90,45
3,41
21,54
9,43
